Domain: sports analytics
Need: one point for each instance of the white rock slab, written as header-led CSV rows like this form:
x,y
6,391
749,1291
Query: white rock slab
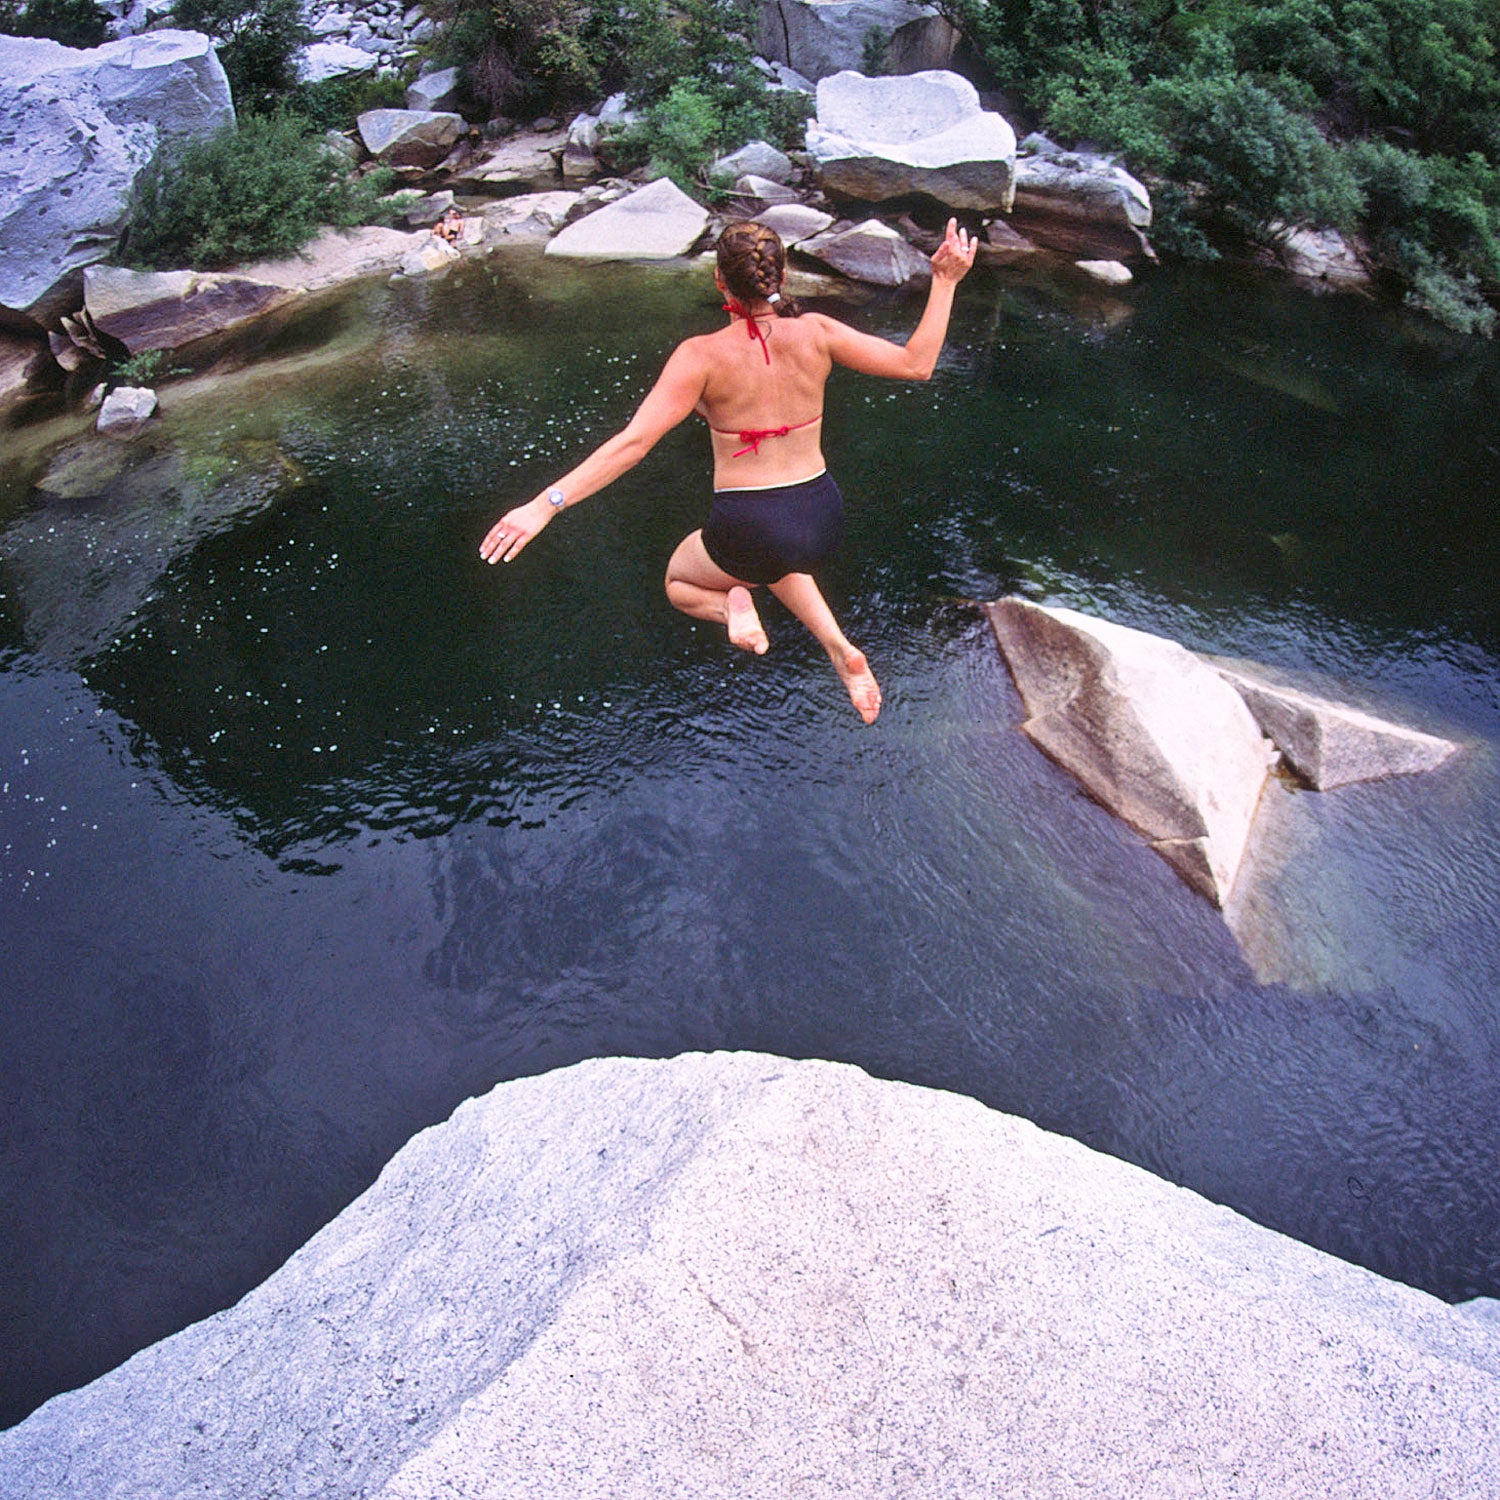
x,y
870,251
1153,733
125,411
738,1276
1333,744
433,254
1107,272
879,138
532,157
320,61
167,309
794,222
658,222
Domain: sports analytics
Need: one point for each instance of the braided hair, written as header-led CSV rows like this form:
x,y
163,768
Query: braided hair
x,y
752,262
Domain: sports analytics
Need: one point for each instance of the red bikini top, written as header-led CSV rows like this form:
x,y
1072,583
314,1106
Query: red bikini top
x,y
753,437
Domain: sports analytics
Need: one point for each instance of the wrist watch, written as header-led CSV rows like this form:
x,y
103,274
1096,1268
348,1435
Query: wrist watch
x,y
555,498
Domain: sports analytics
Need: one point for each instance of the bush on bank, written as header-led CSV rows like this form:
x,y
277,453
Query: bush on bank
x,y
263,189
1375,116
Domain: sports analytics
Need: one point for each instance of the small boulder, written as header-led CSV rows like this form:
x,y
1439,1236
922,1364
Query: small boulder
x,y
125,411
879,138
756,159
440,91
1153,733
433,254
1322,255
1332,744
794,222
658,222
21,360
409,137
871,252
423,209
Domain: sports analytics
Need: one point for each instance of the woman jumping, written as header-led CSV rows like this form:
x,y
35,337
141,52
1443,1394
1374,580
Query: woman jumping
x,y
758,383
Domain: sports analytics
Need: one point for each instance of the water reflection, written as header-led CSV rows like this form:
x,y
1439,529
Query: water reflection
x,y
313,824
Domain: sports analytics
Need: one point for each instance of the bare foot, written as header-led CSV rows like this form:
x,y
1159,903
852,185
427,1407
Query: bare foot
x,y
854,672
745,629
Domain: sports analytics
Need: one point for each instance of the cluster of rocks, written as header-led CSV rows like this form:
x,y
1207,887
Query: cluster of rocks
x,y
376,35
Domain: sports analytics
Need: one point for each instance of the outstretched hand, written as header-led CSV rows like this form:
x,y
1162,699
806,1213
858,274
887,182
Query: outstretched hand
x,y
514,529
954,258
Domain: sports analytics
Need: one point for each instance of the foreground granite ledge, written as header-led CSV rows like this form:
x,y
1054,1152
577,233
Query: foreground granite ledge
x,y
731,1275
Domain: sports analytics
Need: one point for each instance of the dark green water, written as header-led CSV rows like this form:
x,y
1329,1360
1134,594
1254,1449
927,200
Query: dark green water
x,y
312,825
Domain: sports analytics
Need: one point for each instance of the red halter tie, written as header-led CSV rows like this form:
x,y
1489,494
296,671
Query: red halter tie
x,y
739,310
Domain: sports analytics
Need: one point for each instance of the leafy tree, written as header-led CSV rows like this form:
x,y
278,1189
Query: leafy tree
x,y
74,23
265,188
258,45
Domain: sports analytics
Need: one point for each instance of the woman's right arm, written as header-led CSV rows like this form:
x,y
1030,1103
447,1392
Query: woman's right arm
x,y
917,358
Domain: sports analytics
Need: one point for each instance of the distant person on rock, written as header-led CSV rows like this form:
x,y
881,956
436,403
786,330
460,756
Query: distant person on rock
x,y
450,227
758,382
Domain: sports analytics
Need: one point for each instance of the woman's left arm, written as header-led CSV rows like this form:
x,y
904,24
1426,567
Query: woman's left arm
x,y
675,394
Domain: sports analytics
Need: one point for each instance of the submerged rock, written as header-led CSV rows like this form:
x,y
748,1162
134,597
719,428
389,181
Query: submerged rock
x,y
879,138
126,410
1333,744
1153,733
737,1275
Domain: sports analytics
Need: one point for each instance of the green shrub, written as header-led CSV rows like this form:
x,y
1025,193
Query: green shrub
x,y
336,103
258,43
264,189
74,23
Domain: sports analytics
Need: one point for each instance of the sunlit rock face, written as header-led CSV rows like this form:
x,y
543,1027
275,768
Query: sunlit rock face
x,y
1181,747
656,222
880,138
819,37
76,127
1153,733
733,1274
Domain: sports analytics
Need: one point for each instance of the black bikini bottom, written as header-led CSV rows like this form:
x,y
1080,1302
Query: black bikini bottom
x,y
759,536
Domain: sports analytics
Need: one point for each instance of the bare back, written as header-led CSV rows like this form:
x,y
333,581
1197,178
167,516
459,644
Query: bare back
x,y
744,393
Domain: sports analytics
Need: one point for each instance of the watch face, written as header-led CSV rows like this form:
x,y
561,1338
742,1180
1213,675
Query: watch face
x,y
556,497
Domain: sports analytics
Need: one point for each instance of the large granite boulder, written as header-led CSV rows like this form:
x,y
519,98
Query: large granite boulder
x,y
1153,733
435,91
870,251
77,126
1333,744
758,159
409,137
1079,203
529,216
658,222
819,37
736,1275
879,138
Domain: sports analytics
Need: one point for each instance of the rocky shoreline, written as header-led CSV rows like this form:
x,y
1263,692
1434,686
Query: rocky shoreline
x,y
733,1274
886,159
